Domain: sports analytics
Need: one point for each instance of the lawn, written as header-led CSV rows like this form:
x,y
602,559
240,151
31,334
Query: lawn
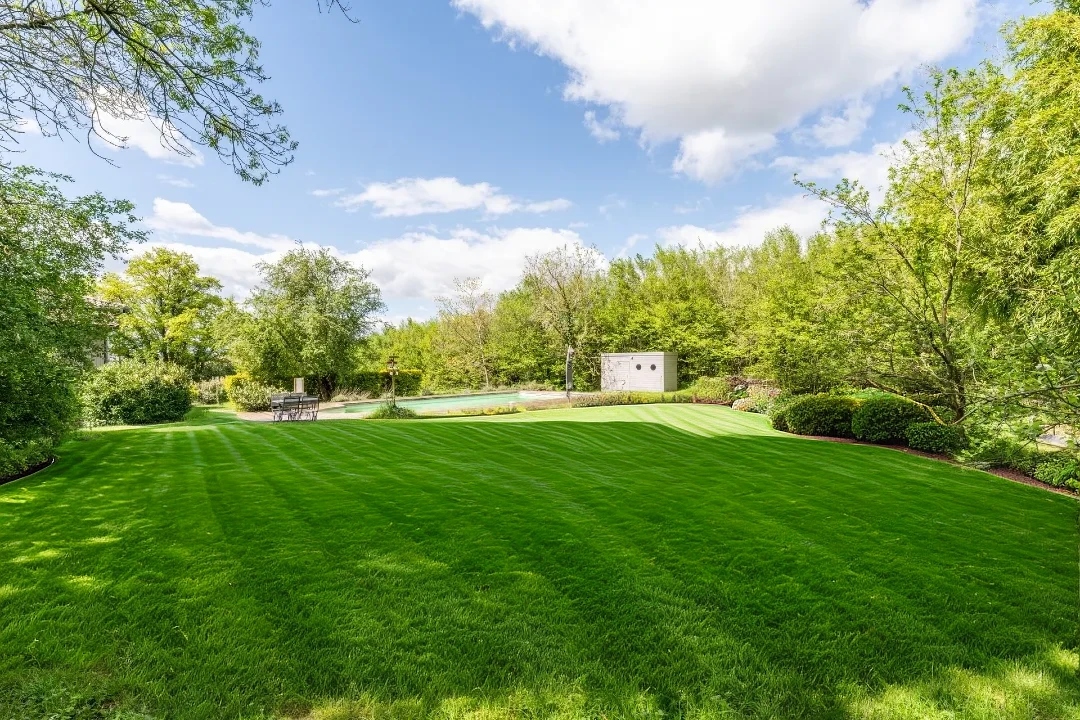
x,y
653,561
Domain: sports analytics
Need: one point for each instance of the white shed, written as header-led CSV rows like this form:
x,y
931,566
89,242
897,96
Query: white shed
x,y
655,371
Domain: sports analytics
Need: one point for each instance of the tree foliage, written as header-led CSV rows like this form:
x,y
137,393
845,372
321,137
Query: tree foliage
x,y
51,249
166,312
190,64
310,317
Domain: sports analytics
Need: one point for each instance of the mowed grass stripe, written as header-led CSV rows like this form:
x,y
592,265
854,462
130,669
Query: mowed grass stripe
x,y
614,561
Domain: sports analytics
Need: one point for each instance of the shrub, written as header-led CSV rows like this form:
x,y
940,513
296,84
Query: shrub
x,y
885,419
17,458
210,392
1060,469
606,399
777,411
934,437
350,395
249,395
825,415
39,404
713,389
130,392
745,404
1007,452
386,411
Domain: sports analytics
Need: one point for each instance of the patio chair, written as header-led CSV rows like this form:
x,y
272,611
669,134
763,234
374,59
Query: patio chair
x,y
309,408
277,406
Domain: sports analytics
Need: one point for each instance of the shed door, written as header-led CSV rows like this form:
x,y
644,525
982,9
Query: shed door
x,y
622,374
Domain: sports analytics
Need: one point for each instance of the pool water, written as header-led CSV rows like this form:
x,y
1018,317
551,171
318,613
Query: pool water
x,y
453,403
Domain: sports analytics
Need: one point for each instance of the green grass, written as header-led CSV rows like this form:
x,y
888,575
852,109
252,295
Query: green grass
x,y
652,561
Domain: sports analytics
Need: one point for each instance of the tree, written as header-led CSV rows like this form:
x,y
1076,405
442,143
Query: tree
x,y
189,64
563,288
795,323
466,320
911,259
670,302
1029,278
167,312
310,318
51,249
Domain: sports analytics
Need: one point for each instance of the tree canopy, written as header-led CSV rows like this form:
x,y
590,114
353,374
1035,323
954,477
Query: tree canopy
x,y
191,65
166,312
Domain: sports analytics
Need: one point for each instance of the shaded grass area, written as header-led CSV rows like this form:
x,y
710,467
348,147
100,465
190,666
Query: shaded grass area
x,y
651,561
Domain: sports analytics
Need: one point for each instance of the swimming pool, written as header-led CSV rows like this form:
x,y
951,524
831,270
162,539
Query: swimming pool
x,y
453,403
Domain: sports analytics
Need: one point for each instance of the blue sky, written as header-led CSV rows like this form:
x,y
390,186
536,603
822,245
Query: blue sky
x,y
452,139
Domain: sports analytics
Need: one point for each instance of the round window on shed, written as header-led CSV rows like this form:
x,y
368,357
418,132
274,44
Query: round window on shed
x,y
639,366
652,367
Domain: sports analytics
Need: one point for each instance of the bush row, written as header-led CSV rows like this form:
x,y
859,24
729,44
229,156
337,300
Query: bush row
x,y
886,419
630,398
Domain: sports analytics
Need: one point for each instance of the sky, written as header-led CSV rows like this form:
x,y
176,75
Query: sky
x,y
444,139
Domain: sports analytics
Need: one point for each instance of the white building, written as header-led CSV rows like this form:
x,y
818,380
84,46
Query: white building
x,y
651,371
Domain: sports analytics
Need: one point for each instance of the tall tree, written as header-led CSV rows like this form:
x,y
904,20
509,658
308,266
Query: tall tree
x,y
466,319
912,258
310,317
563,287
190,64
1030,275
167,311
795,324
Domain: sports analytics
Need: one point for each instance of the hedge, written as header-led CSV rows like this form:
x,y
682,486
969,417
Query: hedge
x,y
825,415
934,437
885,419
606,399
130,392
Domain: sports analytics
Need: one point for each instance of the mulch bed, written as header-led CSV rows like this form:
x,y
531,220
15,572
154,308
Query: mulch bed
x,y
28,472
1008,474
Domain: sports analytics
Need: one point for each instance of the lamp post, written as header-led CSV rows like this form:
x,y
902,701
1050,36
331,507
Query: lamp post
x,y
392,371
569,371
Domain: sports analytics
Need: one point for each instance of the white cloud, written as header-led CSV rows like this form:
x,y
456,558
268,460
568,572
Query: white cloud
x,y
327,192
158,139
235,268
712,155
611,202
725,76
422,265
870,168
180,219
630,244
416,266
28,125
605,131
175,181
844,129
408,197
802,214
